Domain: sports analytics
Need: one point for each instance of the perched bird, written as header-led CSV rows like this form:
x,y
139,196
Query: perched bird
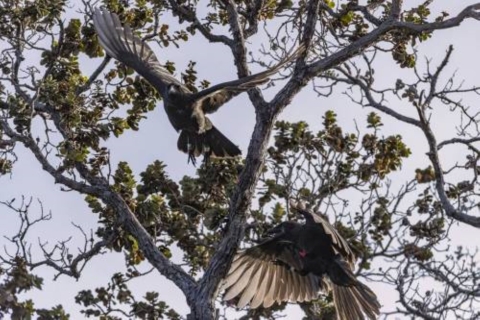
x,y
293,263
186,110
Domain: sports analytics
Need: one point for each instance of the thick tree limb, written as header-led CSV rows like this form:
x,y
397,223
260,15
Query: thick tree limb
x,y
396,9
241,199
130,222
253,18
100,188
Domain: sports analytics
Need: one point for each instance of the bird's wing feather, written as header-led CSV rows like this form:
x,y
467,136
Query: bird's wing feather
x,y
214,97
265,274
261,291
280,251
339,243
120,43
272,287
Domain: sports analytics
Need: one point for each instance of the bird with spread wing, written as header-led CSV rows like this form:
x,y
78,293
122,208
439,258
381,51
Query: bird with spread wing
x,y
185,109
294,262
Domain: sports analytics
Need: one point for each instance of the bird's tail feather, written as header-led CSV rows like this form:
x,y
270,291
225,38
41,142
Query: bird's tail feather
x,y
340,273
352,298
211,143
355,302
220,146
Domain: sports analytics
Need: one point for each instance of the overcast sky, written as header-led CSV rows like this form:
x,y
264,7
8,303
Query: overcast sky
x,y
156,140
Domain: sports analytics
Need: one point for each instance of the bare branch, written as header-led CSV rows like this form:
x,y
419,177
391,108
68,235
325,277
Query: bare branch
x,y
94,75
187,14
458,140
29,143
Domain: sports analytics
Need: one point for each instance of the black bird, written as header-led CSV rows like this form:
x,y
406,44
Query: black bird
x,y
185,109
293,263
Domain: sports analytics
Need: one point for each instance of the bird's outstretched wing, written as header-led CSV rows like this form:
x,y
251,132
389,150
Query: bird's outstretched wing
x,y
214,97
340,245
120,43
269,273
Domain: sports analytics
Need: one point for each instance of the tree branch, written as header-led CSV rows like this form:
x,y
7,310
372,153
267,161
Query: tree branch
x,y
252,18
387,26
190,16
94,75
471,11
100,188
30,144
458,140
396,9
439,176
367,92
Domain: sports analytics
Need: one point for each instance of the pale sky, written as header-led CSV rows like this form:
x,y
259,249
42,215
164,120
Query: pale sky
x,y
156,140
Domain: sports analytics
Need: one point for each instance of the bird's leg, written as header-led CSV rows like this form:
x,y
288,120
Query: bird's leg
x,y
191,153
206,153
191,158
206,158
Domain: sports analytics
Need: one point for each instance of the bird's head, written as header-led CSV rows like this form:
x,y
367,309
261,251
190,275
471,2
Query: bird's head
x,y
284,229
300,208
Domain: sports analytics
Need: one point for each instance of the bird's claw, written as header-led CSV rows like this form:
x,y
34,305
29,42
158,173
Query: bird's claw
x,y
192,159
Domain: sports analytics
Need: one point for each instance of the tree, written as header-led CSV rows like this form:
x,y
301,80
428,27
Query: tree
x,y
63,117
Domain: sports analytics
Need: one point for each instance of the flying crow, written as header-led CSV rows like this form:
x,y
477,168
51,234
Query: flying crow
x,y
186,110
